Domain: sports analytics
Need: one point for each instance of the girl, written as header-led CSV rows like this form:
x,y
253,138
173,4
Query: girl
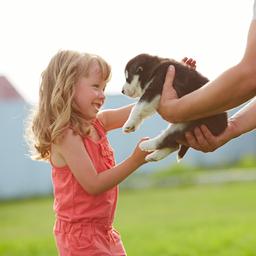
x,y
69,131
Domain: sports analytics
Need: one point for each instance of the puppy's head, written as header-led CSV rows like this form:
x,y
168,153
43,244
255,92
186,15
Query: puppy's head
x,y
138,73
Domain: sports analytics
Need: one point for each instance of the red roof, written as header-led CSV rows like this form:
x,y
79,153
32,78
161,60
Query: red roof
x,y
7,91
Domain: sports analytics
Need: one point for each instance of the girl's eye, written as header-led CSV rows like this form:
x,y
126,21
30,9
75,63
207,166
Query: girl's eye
x,y
98,87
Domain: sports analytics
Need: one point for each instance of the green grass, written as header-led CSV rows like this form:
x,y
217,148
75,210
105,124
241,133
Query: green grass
x,y
205,220
26,228
187,221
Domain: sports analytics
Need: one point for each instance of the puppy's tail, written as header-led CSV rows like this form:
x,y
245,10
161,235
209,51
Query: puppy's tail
x,y
182,151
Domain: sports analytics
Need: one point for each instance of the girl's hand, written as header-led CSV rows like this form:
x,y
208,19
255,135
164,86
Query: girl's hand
x,y
203,140
138,155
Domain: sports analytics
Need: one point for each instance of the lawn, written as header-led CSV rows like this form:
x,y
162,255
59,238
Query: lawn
x,y
185,221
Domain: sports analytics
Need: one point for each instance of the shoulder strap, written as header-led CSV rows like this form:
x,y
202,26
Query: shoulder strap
x,y
99,126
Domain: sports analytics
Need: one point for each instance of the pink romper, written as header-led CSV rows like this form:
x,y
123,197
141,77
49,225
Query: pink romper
x,y
84,222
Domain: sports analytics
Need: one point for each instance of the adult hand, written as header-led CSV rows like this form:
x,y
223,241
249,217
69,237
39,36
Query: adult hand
x,y
203,140
168,94
189,62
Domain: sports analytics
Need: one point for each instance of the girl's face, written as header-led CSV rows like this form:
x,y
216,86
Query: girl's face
x,y
89,92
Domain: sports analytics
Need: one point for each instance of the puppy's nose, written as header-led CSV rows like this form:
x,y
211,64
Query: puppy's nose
x,y
123,91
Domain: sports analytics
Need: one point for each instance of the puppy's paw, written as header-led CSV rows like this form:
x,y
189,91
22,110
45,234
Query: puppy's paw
x,y
159,154
129,127
154,157
148,145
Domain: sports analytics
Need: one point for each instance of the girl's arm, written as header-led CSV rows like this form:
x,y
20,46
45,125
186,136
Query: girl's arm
x,y
114,118
73,152
241,122
233,87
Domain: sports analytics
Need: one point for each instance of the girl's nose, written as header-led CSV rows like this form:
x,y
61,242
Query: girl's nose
x,y
102,95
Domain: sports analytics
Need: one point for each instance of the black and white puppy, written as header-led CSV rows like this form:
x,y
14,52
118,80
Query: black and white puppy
x,y
145,75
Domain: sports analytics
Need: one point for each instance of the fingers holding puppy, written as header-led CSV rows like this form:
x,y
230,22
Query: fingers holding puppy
x,y
189,62
200,139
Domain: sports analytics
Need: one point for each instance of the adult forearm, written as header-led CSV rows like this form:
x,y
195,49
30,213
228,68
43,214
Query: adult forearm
x,y
244,120
230,89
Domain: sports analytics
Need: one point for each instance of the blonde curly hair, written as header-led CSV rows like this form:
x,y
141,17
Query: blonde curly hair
x,y
56,109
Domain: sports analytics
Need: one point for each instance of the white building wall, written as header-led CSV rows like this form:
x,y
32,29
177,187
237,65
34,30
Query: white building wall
x,y
19,175
22,177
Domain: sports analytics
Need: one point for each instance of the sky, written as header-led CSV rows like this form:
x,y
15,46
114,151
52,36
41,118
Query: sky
x,y
214,33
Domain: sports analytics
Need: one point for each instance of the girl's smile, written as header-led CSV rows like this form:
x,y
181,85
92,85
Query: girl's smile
x,y
89,92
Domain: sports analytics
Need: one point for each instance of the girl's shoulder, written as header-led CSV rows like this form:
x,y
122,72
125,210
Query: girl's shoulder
x,y
69,136
65,142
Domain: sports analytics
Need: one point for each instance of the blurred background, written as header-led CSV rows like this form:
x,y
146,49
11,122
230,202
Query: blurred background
x,y
204,205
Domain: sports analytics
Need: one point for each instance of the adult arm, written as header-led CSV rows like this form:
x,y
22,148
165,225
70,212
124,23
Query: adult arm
x,y
241,122
232,88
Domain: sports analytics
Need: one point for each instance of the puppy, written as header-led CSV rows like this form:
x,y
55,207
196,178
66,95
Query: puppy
x,y
145,75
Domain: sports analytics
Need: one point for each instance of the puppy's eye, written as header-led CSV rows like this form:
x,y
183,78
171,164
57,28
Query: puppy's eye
x,y
139,69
